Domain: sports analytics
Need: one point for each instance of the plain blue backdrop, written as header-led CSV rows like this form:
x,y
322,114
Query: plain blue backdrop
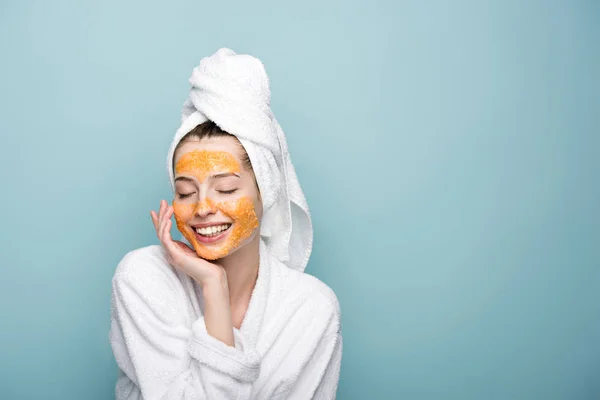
x,y
449,152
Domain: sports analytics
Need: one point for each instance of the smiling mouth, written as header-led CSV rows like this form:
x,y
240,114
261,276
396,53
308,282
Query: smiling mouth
x,y
212,231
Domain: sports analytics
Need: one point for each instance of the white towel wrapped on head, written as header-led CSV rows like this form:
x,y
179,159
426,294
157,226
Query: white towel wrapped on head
x,y
233,91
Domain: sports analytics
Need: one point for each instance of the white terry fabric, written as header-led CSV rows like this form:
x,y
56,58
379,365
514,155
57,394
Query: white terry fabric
x,y
233,91
288,347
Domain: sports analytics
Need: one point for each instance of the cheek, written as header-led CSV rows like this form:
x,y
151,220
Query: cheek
x,y
242,211
244,216
183,212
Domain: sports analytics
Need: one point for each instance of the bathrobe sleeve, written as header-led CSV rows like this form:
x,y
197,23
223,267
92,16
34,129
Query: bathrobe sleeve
x,y
320,375
162,352
328,385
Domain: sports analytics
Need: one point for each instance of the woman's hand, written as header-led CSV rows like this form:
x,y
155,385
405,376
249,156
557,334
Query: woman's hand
x,y
180,255
211,277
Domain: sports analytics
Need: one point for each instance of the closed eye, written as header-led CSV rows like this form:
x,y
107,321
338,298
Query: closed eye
x,y
184,195
227,191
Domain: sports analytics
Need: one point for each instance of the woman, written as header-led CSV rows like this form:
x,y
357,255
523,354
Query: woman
x,y
227,313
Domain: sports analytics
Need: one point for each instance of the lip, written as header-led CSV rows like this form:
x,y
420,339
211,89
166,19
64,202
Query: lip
x,y
213,239
207,224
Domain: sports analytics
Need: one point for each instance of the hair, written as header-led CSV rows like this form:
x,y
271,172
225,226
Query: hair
x,y
210,129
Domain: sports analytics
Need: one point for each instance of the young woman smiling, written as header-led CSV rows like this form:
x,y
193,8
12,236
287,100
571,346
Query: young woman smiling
x,y
227,312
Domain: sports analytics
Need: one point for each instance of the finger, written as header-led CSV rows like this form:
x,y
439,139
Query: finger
x,y
166,233
161,222
161,210
167,240
154,219
158,218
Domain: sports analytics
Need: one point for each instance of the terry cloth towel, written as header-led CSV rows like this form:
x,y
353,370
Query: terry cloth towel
x,y
233,91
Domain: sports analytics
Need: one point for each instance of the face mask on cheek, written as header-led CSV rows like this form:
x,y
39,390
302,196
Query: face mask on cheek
x,y
244,223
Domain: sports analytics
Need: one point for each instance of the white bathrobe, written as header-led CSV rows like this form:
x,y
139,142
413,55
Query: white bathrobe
x,y
288,347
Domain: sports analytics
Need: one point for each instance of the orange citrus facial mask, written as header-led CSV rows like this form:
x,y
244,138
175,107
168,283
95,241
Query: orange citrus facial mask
x,y
239,211
200,163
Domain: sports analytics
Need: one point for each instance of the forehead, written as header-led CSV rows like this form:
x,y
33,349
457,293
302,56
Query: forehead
x,y
225,144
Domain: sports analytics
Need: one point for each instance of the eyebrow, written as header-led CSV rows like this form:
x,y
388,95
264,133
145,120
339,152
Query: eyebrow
x,y
216,176
224,175
184,178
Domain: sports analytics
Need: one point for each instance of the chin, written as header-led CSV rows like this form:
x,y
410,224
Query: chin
x,y
209,252
216,252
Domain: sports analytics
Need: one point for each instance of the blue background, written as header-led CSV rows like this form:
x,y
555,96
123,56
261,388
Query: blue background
x,y
449,152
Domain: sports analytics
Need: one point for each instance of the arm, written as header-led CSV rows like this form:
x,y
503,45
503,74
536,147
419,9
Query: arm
x,y
211,277
163,353
217,310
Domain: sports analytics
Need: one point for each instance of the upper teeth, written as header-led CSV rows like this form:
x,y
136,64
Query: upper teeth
x,y
212,229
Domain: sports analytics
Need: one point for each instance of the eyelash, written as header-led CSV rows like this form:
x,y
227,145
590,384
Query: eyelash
x,y
184,195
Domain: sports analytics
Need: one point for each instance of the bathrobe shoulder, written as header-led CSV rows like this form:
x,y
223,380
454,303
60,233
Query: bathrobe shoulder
x,y
288,347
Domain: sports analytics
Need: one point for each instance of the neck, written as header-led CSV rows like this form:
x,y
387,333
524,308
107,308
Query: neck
x,y
242,271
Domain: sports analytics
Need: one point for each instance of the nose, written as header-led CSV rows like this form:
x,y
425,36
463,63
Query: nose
x,y
205,207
